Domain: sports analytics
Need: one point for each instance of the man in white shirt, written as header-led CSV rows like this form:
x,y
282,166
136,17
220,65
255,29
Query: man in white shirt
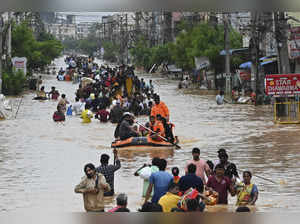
x,y
78,106
220,98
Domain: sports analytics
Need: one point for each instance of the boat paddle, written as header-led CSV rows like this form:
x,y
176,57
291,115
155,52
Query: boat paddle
x,y
114,152
166,140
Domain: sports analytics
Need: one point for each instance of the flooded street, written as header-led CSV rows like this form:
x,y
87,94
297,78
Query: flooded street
x,y
41,161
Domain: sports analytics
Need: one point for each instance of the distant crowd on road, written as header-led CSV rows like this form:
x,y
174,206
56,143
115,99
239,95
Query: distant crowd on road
x,y
115,94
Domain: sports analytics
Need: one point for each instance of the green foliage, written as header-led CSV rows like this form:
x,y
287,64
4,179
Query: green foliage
x,y
160,54
13,82
43,36
70,44
146,57
111,51
141,54
38,53
203,40
181,51
88,45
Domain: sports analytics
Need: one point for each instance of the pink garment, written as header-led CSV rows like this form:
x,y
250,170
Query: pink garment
x,y
114,209
201,167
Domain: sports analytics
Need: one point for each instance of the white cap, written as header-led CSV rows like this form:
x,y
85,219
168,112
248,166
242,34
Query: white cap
x,y
128,113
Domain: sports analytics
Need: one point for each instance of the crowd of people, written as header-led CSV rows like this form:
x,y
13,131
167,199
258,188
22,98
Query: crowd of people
x,y
204,183
246,97
116,95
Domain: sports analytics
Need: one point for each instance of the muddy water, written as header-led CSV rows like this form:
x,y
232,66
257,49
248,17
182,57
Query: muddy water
x,y
41,161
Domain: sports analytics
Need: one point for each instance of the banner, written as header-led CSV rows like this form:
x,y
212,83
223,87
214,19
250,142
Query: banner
x,y
19,64
294,43
282,85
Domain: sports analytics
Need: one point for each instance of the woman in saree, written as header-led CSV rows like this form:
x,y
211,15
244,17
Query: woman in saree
x,y
247,192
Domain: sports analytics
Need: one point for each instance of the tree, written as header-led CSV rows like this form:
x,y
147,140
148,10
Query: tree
x,y
203,40
70,44
181,51
38,53
160,54
13,82
111,51
88,45
141,54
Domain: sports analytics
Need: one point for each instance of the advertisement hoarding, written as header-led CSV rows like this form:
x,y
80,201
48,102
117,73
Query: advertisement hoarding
x,y
20,64
282,84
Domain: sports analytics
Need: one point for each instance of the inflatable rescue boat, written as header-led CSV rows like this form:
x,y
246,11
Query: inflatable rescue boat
x,y
140,142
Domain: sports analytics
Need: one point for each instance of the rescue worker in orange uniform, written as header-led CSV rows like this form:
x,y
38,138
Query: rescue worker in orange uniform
x,y
158,127
160,108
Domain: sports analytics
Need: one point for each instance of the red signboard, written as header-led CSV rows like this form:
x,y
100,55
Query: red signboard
x,y
283,85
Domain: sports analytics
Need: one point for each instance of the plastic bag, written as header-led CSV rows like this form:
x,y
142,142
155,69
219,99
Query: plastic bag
x,y
145,173
69,111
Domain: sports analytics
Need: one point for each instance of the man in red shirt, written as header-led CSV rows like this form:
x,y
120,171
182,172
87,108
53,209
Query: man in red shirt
x,y
220,184
102,114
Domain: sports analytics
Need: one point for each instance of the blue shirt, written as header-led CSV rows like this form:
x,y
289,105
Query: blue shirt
x,y
219,99
254,190
190,180
161,181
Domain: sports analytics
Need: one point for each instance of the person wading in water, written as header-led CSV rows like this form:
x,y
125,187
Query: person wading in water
x,y
109,170
202,166
221,184
247,193
92,186
230,168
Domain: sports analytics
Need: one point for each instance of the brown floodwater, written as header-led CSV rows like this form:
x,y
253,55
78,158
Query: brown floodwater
x,y
41,161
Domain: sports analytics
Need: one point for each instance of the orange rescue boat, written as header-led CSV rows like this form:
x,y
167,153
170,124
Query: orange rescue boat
x,y
140,142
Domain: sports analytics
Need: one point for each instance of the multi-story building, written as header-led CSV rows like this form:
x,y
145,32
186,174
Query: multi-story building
x,y
83,29
62,31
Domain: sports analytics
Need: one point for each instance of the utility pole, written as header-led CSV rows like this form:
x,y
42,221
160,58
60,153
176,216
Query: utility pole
x,y
227,56
254,47
126,36
153,30
9,37
121,33
227,44
1,32
167,26
281,27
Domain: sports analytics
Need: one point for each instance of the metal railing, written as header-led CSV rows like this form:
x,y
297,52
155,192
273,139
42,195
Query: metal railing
x,y
287,112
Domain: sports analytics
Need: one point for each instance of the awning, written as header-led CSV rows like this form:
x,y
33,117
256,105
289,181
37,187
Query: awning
x,y
235,51
263,61
173,68
246,65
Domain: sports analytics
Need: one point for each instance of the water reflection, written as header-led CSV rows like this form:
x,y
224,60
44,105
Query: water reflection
x,y
41,161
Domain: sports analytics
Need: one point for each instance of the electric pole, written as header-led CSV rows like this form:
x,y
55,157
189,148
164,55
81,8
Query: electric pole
x,y
281,27
227,44
227,56
254,47
1,32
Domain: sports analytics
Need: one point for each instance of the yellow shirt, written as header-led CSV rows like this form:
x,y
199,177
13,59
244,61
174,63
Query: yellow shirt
x,y
86,116
169,201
